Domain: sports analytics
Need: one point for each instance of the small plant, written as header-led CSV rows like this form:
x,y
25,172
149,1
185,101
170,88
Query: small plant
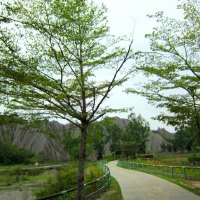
x,y
194,158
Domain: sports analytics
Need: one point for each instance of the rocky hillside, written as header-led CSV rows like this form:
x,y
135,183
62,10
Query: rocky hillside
x,y
155,139
36,140
48,143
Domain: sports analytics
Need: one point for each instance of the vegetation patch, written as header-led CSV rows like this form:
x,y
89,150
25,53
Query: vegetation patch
x,y
173,160
114,193
66,178
10,154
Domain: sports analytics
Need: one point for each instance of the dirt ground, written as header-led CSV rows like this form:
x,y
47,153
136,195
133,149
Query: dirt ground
x,y
195,184
14,194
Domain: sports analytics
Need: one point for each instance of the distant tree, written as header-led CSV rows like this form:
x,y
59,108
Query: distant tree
x,y
137,132
172,68
114,135
51,53
163,147
128,149
183,139
71,143
10,154
97,138
169,147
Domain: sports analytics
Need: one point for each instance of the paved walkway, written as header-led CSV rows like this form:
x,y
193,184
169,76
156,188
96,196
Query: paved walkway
x,y
140,186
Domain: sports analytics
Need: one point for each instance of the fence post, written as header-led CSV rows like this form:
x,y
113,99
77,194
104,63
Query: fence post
x,y
109,179
184,172
104,168
163,172
142,167
64,195
105,182
172,171
148,168
84,190
97,186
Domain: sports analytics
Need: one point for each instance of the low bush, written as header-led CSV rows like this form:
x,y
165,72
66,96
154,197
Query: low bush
x,y
10,154
66,178
194,158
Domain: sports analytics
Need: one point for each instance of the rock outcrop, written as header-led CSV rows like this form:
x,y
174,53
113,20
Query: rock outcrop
x,y
154,142
35,140
48,140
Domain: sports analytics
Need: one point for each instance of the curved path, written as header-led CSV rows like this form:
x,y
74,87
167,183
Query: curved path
x,y
140,186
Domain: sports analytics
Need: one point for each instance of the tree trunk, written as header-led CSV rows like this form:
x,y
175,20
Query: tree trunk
x,y
81,163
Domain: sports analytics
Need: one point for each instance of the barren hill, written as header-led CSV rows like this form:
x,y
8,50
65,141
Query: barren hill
x,y
48,143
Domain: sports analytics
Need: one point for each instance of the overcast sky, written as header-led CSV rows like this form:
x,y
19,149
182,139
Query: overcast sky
x,y
124,16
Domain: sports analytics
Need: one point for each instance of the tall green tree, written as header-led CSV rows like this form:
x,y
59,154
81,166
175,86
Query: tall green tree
x,y
137,131
71,142
183,139
173,67
52,56
114,135
97,138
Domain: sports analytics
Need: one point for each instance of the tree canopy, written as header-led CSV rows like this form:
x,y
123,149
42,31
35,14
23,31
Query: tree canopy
x,y
52,54
137,131
173,68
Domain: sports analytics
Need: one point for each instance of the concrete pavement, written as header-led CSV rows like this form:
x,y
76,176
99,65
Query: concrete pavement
x,y
140,186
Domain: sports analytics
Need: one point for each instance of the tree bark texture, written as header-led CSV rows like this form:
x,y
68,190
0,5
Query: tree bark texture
x,y
81,163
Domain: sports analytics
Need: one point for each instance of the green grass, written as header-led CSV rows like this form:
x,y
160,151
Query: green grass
x,y
12,181
114,192
184,159
186,184
10,177
7,181
109,158
41,178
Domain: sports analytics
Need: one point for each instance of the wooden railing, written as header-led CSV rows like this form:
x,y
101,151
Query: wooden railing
x,y
185,172
92,189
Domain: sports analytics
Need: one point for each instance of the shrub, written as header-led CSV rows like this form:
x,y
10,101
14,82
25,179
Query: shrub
x,y
10,154
66,178
194,158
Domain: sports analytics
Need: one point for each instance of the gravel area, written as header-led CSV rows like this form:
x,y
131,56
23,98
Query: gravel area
x,y
14,194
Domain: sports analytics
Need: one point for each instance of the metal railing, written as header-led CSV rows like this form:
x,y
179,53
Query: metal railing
x,y
185,172
91,189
